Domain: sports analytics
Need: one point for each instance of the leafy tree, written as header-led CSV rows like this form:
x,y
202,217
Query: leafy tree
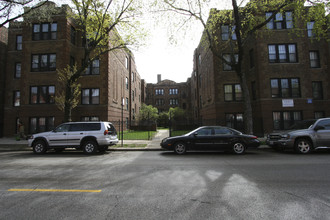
x,y
13,10
105,26
64,76
247,21
148,113
177,113
163,119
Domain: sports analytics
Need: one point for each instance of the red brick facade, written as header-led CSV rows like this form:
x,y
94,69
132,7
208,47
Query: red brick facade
x,y
306,97
116,79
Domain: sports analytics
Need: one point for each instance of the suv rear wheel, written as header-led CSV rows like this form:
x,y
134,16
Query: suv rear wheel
x,y
90,147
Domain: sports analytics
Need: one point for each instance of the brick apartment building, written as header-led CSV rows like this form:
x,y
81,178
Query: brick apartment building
x,y
166,94
3,51
288,77
35,51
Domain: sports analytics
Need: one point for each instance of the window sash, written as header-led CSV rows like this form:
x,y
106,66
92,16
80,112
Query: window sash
x,y
285,88
90,96
282,53
314,59
17,98
18,70
317,90
42,95
43,62
19,42
44,31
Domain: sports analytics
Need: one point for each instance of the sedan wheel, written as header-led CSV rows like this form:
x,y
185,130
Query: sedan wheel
x,y
90,147
238,148
303,146
180,148
39,147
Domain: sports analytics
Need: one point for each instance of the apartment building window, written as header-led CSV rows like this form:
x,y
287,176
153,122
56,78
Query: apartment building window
x,y
159,91
318,115
285,88
17,98
126,104
174,102
45,31
174,91
227,31
90,118
41,124
160,102
314,59
283,120
42,94
43,62
228,58
19,42
310,27
126,83
235,120
133,95
18,70
281,21
317,90
233,92
126,62
90,96
282,53
93,68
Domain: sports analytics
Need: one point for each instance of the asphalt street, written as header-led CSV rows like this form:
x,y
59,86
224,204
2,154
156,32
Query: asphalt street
x,y
261,184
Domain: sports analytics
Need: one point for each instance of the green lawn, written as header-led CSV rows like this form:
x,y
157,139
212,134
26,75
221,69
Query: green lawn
x,y
178,133
129,146
137,135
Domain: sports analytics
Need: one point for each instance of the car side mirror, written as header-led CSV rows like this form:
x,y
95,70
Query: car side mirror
x,y
195,134
319,127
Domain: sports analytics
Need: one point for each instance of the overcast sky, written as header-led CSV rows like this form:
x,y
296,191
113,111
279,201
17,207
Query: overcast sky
x,y
172,61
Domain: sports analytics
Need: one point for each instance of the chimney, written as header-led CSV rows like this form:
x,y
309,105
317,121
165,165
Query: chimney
x,y
159,78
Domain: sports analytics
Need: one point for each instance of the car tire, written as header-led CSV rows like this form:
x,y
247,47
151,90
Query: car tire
x,y
39,147
303,146
180,148
238,148
90,147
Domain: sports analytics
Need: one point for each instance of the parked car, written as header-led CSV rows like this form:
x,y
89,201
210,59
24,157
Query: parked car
x,y
317,136
274,137
211,138
88,136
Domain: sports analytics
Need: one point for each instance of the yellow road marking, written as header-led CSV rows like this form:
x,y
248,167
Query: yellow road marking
x,y
52,190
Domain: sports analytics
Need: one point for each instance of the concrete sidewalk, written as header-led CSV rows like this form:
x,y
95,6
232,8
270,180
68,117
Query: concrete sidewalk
x,y
11,144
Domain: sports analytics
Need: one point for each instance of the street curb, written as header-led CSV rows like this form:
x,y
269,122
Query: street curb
x,y
4,148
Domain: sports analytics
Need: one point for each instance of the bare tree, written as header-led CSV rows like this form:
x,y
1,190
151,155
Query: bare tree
x,y
11,10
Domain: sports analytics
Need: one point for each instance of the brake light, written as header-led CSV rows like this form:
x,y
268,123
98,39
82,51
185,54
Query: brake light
x,y
254,137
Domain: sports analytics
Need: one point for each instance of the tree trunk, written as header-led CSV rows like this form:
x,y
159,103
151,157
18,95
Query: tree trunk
x,y
248,116
67,104
248,120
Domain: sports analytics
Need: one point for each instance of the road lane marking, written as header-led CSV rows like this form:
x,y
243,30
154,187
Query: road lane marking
x,y
53,190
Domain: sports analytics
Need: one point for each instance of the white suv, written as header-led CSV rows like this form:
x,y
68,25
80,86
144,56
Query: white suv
x,y
88,136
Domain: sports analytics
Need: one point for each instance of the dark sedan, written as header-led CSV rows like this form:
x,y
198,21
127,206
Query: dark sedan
x,y
211,138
